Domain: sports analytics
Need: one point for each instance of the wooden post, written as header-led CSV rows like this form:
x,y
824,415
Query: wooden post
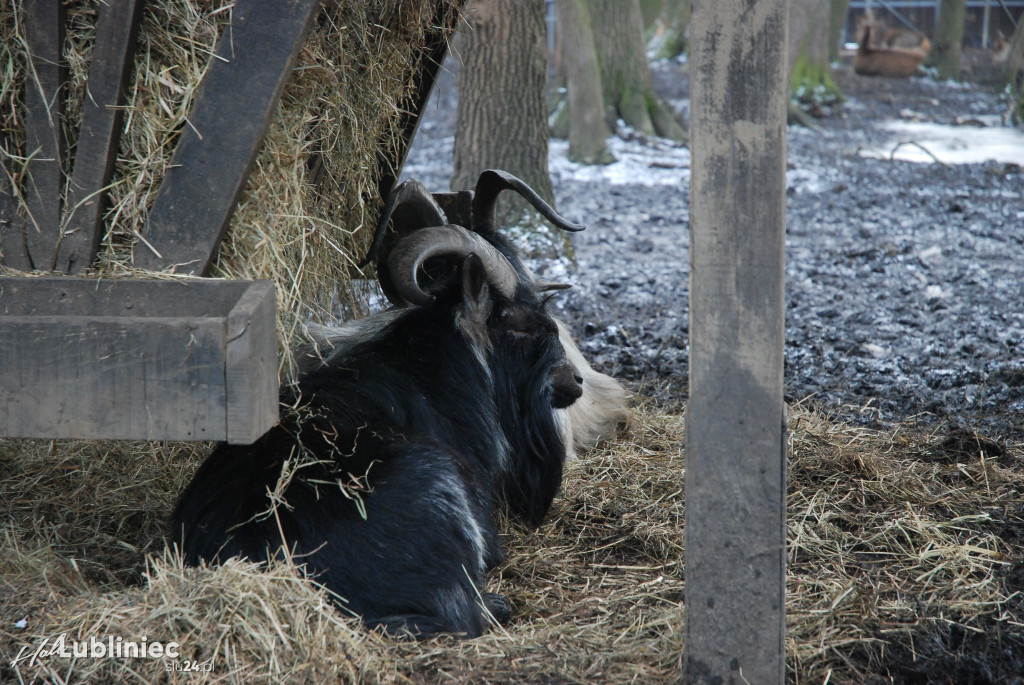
x,y
735,437
986,19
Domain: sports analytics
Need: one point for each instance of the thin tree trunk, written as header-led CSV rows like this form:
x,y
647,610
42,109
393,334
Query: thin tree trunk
x,y
650,11
669,39
949,31
502,113
587,127
811,82
1013,72
838,11
625,75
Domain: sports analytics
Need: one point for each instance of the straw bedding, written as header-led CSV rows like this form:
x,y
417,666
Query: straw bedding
x,y
905,561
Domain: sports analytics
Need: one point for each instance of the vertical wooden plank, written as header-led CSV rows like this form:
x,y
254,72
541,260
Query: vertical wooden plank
x,y
735,438
457,207
100,133
232,112
251,374
12,236
434,53
44,142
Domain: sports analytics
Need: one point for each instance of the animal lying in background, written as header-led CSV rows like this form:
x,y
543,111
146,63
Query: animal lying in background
x,y
890,61
999,50
383,476
602,410
904,39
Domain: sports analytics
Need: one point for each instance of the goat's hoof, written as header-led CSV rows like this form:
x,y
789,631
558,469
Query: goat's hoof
x,y
498,607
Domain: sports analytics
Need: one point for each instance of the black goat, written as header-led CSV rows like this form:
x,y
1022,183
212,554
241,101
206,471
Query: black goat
x,y
384,475
602,409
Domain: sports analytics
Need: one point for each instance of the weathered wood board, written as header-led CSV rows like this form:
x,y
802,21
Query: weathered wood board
x,y
391,163
44,139
98,138
131,359
12,240
735,417
229,120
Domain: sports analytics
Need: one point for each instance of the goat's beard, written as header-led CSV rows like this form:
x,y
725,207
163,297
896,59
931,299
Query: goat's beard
x,y
537,441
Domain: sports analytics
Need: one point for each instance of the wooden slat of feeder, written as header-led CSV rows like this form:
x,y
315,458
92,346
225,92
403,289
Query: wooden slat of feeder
x,y
457,207
44,141
435,51
251,365
232,112
136,359
12,240
116,34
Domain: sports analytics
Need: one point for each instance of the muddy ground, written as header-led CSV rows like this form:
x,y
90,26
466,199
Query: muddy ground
x,y
904,285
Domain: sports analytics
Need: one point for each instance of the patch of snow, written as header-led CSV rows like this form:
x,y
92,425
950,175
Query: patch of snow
x,y
647,162
807,180
876,351
927,142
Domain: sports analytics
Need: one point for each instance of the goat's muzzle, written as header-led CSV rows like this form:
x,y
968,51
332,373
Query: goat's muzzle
x,y
566,386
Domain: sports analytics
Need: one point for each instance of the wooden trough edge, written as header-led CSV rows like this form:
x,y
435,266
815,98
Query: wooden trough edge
x,y
180,360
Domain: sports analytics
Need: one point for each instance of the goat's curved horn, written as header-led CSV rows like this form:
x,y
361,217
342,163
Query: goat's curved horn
x,y
485,199
409,255
412,207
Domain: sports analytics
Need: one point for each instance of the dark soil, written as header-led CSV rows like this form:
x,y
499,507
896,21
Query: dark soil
x,y
904,280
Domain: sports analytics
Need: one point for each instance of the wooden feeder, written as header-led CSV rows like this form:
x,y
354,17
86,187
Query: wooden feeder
x,y
160,359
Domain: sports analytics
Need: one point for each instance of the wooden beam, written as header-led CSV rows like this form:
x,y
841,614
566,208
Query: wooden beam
x,y
457,207
44,141
251,374
100,133
12,227
232,112
434,53
735,436
135,359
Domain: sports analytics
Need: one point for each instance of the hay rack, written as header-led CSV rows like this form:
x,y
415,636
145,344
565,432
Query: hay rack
x,y
159,358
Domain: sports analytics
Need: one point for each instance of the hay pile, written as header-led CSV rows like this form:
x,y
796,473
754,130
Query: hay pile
x,y
906,560
307,213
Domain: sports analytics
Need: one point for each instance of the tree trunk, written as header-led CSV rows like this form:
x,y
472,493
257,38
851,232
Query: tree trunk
x,y
650,11
810,82
625,75
669,39
949,31
838,11
1013,73
502,113
587,127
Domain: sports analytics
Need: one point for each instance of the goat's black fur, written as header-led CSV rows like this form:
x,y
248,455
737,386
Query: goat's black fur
x,y
402,445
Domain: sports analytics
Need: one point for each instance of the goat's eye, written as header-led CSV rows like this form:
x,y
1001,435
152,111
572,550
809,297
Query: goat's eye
x,y
519,323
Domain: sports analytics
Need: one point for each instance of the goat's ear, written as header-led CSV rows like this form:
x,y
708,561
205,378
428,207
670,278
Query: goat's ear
x,y
476,292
